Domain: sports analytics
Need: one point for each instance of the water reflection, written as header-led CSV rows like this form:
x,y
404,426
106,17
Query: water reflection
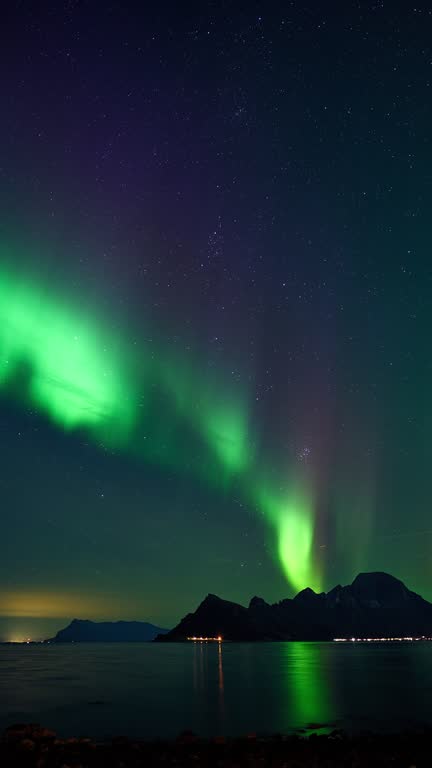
x,y
208,682
199,671
221,684
307,687
291,688
232,690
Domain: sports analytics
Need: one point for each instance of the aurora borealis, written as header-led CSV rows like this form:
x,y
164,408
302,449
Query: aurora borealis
x,y
55,359
214,306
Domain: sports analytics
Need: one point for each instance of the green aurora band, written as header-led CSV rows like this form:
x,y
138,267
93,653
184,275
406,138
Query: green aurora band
x,y
67,363
291,515
56,358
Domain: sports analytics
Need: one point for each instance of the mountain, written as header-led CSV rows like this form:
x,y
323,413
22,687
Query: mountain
x,y
374,605
83,631
214,612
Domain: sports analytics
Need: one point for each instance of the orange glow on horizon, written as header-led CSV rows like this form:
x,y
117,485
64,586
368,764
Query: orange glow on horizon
x,y
56,605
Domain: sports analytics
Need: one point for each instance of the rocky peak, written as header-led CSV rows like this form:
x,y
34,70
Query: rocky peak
x,y
258,602
378,587
306,595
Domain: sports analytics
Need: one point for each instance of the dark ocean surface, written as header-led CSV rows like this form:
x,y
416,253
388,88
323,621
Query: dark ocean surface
x,y
151,690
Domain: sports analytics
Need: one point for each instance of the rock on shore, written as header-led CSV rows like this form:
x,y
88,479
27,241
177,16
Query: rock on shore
x,y
32,746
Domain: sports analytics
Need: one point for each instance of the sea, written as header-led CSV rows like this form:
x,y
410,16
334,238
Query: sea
x,y
152,691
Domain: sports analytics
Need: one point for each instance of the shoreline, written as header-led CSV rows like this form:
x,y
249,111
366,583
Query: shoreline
x,y
32,746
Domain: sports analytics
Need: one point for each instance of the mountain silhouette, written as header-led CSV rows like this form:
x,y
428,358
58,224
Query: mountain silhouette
x,y
374,605
84,631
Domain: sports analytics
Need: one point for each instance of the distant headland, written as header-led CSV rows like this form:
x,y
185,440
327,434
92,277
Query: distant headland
x,y
84,631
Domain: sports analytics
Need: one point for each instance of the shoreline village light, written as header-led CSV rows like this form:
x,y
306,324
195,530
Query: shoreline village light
x,y
380,639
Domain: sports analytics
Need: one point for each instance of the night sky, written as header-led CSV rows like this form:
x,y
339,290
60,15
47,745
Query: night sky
x,y
215,304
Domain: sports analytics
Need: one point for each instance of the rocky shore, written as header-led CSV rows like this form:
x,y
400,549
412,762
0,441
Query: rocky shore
x,y
32,746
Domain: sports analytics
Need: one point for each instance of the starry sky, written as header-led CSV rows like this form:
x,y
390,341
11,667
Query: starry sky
x,y
215,304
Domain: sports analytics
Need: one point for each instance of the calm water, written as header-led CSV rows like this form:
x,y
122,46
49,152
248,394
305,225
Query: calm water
x,y
158,690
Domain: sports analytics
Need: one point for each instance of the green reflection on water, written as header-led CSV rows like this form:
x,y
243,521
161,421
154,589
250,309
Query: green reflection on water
x,y
307,686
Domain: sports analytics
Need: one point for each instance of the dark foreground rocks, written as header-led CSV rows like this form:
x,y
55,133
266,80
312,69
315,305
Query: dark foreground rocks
x,y
32,746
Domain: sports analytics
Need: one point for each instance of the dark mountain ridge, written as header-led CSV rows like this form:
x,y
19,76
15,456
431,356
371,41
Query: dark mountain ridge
x,y
374,605
84,631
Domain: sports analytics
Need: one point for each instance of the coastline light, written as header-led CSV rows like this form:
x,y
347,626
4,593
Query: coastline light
x,y
382,639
